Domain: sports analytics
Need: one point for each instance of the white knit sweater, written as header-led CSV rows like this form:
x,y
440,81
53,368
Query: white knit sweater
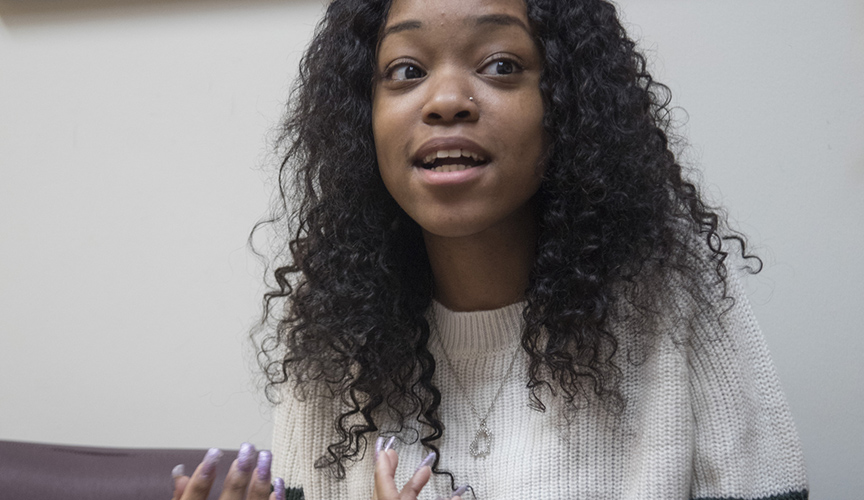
x,y
705,419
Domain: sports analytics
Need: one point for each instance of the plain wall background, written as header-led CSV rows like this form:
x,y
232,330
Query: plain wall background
x,y
132,136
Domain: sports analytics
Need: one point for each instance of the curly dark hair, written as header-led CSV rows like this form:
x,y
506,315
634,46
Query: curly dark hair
x,y
615,212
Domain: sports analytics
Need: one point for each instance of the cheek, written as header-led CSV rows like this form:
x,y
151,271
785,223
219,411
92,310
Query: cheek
x,y
539,133
387,166
378,134
520,116
530,133
535,113
387,134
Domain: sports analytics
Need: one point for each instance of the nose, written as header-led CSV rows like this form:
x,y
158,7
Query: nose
x,y
450,100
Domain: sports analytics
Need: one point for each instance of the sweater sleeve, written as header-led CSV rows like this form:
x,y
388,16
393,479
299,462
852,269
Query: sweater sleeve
x,y
746,445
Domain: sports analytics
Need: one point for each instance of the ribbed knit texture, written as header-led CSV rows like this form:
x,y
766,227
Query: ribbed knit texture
x,y
705,419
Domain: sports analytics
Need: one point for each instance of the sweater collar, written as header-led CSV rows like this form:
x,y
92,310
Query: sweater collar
x,y
469,334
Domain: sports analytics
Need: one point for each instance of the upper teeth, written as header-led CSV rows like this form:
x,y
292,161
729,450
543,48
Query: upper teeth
x,y
452,153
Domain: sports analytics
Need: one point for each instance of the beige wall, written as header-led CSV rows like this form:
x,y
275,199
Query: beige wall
x,y
130,135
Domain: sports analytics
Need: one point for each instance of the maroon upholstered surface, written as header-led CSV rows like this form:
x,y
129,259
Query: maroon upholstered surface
x,y
49,472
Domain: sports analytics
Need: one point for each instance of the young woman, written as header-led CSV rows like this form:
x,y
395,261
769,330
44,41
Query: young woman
x,y
498,268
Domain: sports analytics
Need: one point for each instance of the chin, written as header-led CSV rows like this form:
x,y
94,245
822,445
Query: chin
x,y
450,229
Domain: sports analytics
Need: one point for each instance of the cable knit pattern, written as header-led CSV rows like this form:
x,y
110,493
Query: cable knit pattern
x,y
705,419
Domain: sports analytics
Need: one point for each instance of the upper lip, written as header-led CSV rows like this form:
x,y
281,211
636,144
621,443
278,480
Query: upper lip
x,y
449,143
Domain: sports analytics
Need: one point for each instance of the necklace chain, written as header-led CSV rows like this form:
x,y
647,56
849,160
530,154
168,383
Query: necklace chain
x,y
481,446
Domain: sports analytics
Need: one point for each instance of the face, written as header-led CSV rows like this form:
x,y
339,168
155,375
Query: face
x,y
457,113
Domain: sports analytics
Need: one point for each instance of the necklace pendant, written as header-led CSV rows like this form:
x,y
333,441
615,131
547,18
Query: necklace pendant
x,y
482,444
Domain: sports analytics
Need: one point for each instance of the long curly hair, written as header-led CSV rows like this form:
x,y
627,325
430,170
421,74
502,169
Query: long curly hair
x,y
615,212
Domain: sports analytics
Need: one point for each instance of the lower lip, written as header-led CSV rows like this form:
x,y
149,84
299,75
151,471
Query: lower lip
x,y
434,178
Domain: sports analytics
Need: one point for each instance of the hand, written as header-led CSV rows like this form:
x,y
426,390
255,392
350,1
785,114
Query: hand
x,y
386,462
241,483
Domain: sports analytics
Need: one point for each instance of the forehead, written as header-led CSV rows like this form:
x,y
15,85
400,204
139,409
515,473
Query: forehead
x,y
448,11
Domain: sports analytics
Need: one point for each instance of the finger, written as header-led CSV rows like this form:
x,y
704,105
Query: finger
x,y
385,475
457,495
421,476
278,489
179,486
379,448
180,481
240,474
259,487
202,479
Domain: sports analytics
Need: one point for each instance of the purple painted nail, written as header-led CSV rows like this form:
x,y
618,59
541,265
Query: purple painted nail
x,y
390,443
178,470
246,457
279,488
459,491
208,466
426,461
379,447
264,460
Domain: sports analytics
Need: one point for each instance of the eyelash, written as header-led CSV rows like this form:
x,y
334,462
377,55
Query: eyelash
x,y
394,68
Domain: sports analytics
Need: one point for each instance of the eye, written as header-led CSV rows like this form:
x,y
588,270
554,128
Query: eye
x,y
405,71
501,67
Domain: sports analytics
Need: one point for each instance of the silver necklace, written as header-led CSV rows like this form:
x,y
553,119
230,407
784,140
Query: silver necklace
x,y
481,446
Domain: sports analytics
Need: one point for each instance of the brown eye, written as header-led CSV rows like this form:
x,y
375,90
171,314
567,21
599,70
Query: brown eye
x,y
407,72
504,67
501,67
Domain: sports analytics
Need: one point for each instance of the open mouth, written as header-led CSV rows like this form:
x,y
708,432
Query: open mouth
x,y
452,160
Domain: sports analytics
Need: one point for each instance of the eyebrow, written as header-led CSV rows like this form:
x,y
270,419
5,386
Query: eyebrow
x,y
501,20
403,26
494,19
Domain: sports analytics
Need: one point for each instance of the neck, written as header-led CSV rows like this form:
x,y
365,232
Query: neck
x,y
483,271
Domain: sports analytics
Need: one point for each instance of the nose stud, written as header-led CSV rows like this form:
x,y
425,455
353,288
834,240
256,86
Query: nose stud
x,y
471,99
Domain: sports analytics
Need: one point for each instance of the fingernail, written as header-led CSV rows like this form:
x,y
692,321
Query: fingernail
x,y
264,459
459,491
390,443
208,466
379,447
426,461
279,488
246,457
178,471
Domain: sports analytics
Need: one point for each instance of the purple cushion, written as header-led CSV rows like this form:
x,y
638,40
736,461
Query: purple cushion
x,y
49,472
